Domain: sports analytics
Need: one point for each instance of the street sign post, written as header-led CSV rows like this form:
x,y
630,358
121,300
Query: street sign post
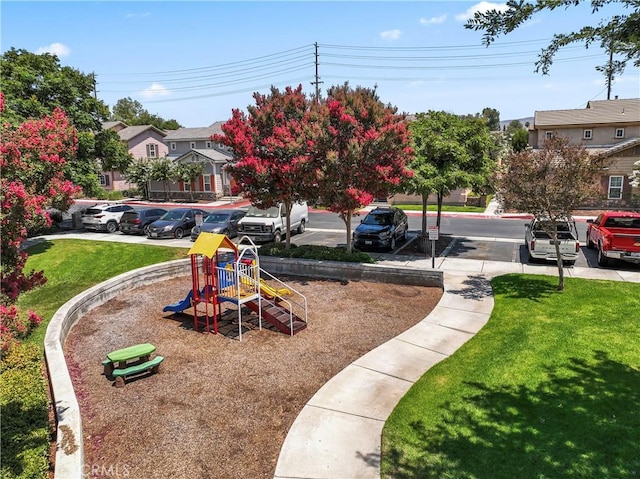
x,y
434,233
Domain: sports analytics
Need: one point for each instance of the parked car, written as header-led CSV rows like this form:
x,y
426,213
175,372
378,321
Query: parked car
x,y
270,224
175,223
615,234
219,221
104,217
381,228
540,245
138,221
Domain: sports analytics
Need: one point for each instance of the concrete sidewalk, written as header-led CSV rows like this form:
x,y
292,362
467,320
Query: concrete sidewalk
x,y
337,435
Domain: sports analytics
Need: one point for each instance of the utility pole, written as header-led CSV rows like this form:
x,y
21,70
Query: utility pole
x,y
317,82
95,92
610,71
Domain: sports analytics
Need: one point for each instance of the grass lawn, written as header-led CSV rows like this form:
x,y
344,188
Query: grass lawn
x,y
549,388
445,208
71,266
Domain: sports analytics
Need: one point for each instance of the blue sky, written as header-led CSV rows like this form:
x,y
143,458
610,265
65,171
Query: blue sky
x,y
196,61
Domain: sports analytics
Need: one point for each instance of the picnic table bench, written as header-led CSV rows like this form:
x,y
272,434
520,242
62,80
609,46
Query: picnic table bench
x,y
138,354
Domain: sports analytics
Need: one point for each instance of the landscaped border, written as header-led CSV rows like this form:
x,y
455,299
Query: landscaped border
x,y
69,460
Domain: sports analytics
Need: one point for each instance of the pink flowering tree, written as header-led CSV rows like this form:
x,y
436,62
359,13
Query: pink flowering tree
x,y
274,149
365,149
32,160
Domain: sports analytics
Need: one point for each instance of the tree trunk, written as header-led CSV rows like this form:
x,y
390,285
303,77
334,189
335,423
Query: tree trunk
x,y
288,207
423,239
559,261
346,217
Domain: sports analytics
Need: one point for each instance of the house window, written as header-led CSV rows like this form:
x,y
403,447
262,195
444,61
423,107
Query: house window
x,y
152,150
187,186
208,144
104,180
587,134
619,133
206,182
615,187
192,145
548,135
173,146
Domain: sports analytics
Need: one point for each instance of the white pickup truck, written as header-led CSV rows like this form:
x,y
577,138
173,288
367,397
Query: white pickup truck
x,y
541,247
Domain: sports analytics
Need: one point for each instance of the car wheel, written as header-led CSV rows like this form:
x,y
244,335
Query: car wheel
x,y
301,228
112,227
277,237
178,233
602,259
531,259
571,263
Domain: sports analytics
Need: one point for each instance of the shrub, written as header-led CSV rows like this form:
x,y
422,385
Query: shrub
x,y
317,252
25,414
13,327
101,194
114,195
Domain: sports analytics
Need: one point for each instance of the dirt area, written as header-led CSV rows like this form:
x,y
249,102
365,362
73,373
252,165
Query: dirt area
x,y
220,407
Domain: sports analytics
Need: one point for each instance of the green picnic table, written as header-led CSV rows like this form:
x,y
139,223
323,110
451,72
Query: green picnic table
x,y
138,353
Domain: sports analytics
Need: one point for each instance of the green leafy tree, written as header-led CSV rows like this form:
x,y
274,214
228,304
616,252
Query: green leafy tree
x,y
35,85
189,172
616,34
493,118
518,135
450,152
365,150
115,156
140,172
275,149
163,170
133,113
550,183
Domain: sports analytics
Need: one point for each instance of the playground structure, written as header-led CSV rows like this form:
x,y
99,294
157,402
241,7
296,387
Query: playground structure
x,y
223,272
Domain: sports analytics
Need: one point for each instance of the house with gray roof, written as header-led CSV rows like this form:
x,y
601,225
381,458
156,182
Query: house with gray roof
x,y
196,145
609,129
143,141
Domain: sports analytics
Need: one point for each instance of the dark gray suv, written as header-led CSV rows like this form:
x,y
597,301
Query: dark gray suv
x,y
137,222
381,228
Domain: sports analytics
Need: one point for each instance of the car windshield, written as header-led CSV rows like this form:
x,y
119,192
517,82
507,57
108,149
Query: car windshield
x,y
258,213
217,218
173,215
378,219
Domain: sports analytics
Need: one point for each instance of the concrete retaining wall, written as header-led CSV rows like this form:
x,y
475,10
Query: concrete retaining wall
x,y
69,449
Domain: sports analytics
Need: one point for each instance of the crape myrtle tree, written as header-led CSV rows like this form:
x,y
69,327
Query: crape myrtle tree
x,y
450,152
617,34
140,173
365,149
164,171
33,157
274,149
550,183
35,85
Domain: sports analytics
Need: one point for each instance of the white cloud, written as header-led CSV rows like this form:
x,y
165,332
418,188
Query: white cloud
x,y
58,49
433,20
391,34
154,91
481,7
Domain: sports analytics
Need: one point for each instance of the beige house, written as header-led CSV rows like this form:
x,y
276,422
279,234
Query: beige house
x,y
607,128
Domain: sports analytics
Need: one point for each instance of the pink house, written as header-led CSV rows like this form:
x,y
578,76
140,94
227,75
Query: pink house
x,y
143,141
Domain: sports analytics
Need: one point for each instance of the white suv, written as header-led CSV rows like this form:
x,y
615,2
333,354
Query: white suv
x,y
104,217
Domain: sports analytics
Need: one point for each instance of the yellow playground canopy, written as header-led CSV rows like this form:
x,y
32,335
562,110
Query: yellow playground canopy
x,y
208,244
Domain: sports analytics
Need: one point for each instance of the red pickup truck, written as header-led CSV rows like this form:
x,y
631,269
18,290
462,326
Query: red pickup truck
x,y
615,235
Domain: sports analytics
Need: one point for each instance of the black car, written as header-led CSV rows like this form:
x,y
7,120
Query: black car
x,y
219,221
381,228
138,221
175,223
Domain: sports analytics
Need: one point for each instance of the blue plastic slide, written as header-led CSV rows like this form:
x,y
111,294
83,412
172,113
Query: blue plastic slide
x,y
180,305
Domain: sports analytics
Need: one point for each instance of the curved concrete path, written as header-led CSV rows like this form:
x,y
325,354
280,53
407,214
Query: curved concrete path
x,y
337,435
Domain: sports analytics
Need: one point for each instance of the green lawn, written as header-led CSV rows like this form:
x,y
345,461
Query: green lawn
x,y
549,388
71,266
